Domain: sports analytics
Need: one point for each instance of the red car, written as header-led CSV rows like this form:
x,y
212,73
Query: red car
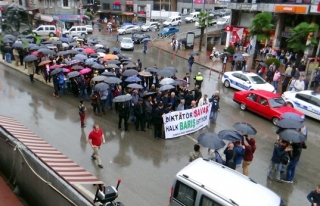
x,y
264,103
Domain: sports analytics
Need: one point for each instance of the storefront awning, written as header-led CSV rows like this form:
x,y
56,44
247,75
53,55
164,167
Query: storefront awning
x,y
43,17
128,13
108,11
67,17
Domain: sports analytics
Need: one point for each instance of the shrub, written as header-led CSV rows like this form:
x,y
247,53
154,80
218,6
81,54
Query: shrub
x,y
271,60
230,49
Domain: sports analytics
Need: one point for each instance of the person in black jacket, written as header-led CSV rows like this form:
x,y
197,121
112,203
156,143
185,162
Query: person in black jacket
x,y
158,121
140,113
314,197
123,111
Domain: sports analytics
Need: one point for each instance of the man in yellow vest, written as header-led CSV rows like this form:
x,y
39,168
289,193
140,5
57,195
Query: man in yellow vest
x,y
199,80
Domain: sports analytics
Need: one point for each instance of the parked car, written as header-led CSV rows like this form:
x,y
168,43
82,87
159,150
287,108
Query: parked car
x,y
264,103
192,17
45,30
137,37
150,26
307,102
89,29
223,20
245,81
76,31
128,29
172,21
127,43
168,31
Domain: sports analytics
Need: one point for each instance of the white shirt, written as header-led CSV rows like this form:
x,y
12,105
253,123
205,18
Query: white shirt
x,y
225,60
298,86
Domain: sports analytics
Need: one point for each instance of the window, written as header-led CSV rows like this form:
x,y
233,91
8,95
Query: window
x,y
244,78
303,97
205,201
65,3
277,102
237,75
185,194
257,80
48,4
105,6
40,29
52,29
46,28
315,101
252,97
117,7
263,101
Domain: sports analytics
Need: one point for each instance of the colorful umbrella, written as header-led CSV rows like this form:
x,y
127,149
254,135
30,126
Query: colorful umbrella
x,y
110,57
85,71
44,63
89,50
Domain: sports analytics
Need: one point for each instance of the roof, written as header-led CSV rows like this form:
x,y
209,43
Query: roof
x,y
265,94
310,92
244,73
228,183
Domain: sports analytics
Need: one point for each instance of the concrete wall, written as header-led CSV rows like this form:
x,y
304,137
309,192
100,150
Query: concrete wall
x,y
33,190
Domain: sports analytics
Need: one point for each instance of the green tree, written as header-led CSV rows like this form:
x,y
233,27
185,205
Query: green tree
x,y
260,27
299,36
203,22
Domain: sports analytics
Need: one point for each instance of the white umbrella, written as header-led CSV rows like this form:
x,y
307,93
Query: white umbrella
x,y
166,81
65,45
245,55
98,46
101,54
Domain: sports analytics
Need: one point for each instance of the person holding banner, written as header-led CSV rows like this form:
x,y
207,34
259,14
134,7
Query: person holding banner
x,y
214,108
158,121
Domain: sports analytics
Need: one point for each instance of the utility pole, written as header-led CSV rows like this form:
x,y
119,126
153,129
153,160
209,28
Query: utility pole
x,y
314,69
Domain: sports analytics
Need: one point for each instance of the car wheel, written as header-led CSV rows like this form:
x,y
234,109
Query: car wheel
x,y
275,120
51,34
179,23
83,35
148,29
289,104
191,21
243,107
124,32
226,83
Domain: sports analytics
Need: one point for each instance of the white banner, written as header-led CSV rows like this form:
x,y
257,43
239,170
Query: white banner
x,y
187,121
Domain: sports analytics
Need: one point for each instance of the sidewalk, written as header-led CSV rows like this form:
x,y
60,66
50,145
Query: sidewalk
x,y
7,196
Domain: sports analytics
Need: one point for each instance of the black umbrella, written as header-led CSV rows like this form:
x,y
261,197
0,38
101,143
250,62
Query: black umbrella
x,y
148,94
263,64
80,56
61,53
77,67
152,69
73,51
133,79
122,98
130,72
46,51
174,70
130,65
113,62
110,66
9,36
230,135
56,42
99,78
94,55
135,86
101,87
244,128
289,124
114,49
211,140
17,45
124,56
73,74
165,73
125,60
193,53
30,58
101,50
108,74
98,66
113,80
166,87
36,47
292,135
180,82
56,71
7,40
292,115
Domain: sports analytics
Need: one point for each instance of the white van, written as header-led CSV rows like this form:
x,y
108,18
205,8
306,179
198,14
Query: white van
x,y
192,17
45,30
205,182
172,21
76,31
223,20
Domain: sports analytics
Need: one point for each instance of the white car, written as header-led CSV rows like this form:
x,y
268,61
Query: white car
x,y
89,29
245,81
150,26
128,29
127,43
307,102
223,20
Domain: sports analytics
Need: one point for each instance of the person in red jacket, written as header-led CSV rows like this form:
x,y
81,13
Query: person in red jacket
x,y
248,154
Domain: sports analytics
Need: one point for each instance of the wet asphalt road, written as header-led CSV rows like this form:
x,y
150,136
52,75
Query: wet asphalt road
x,y
145,165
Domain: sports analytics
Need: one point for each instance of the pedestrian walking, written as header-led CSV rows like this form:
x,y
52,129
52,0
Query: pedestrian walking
x,y
16,56
195,154
82,113
117,37
158,121
123,110
31,69
224,63
215,108
92,23
190,62
276,78
314,197
96,138
55,81
250,148
145,46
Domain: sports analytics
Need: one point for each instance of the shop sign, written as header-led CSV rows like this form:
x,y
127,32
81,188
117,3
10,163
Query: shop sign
x,y
229,28
129,2
315,8
251,7
291,9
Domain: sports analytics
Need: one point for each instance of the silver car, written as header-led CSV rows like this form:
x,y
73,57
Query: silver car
x,y
128,29
127,43
150,26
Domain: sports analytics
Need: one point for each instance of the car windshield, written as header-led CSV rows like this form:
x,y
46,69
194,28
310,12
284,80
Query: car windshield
x,y
165,29
147,24
168,20
126,41
277,102
257,80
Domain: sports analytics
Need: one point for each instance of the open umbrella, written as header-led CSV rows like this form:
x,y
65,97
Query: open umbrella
x,y
9,36
80,56
46,51
17,45
166,87
174,70
193,53
7,40
99,78
75,61
245,55
289,124
238,58
56,71
108,74
211,140
113,80
130,65
114,49
62,53
291,115
95,55
77,67
148,94
146,39
152,69
110,57
230,135
110,66
73,74
165,73
292,135
30,58
166,81
263,64
101,87
97,66
133,79
244,128
34,47
55,42
85,71
135,86
44,63
122,98
66,70
145,74
89,50
101,50
113,62
55,66
179,82
130,72
73,52
65,45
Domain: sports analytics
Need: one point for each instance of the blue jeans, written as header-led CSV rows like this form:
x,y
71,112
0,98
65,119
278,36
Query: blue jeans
x,y
62,88
213,115
109,101
274,167
83,92
8,57
103,105
275,84
291,169
190,66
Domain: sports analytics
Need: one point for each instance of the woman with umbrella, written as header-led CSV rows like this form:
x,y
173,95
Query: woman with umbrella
x,y
31,69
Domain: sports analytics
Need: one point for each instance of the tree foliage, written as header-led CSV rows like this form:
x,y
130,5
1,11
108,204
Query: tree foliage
x,y
299,36
204,20
261,25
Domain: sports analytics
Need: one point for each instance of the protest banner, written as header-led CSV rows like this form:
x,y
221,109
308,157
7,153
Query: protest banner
x,y
184,122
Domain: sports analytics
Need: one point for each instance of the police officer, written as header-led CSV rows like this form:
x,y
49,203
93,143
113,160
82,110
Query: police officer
x,y
199,80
